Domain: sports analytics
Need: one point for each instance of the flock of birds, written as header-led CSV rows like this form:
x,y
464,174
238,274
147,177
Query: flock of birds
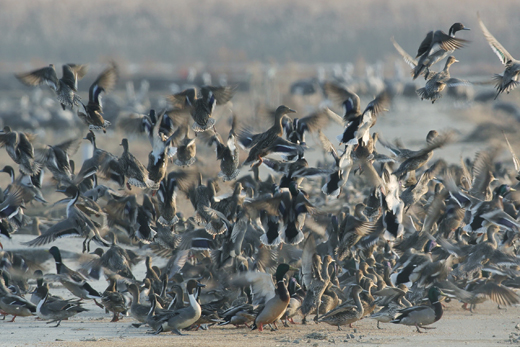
x,y
402,236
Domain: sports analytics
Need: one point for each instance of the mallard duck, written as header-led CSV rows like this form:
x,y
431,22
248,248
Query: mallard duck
x,y
227,153
345,314
440,80
20,149
419,316
56,310
113,300
435,47
269,141
11,304
201,108
508,80
136,173
179,319
104,83
66,87
77,223
276,305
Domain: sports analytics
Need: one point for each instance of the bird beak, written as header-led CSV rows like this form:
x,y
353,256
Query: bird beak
x,y
200,285
61,190
466,29
291,111
456,61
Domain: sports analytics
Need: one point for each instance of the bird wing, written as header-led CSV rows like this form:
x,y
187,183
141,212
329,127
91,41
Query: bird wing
x,y
499,50
341,95
44,75
222,94
105,82
425,44
407,57
261,284
516,162
65,228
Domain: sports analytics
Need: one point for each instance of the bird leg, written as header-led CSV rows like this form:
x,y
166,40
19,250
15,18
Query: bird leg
x,y
115,318
176,331
304,320
12,320
378,325
57,325
285,323
418,330
465,307
292,321
351,326
98,304
339,328
157,332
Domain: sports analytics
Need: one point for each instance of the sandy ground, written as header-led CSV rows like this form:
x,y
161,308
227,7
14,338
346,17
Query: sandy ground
x,y
487,327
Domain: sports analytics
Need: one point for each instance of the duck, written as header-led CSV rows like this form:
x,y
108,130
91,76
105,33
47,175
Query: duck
x,y
14,305
276,305
508,80
201,108
440,80
105,164
135,172
167,196
20,149
415,160
345,314
186,151
93,111
393,300
77,223
201,197
295,130
238,315
66,88
269,141
73,280
295,303
113,300
227,153
181,318
30,190
435,47
419,316
316,283
56,159
56,310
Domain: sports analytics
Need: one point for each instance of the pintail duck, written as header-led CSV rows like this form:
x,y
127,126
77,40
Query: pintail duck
x,y
201,108
345,314
357,123
56,310
20,149
508,80
498,293
181,318
227,153
415,160
66,88
295,130
136,173
106,164
167,196
440,80
435,47
56,159
419,316
295,303
93,115
73,280
77,223
269,141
